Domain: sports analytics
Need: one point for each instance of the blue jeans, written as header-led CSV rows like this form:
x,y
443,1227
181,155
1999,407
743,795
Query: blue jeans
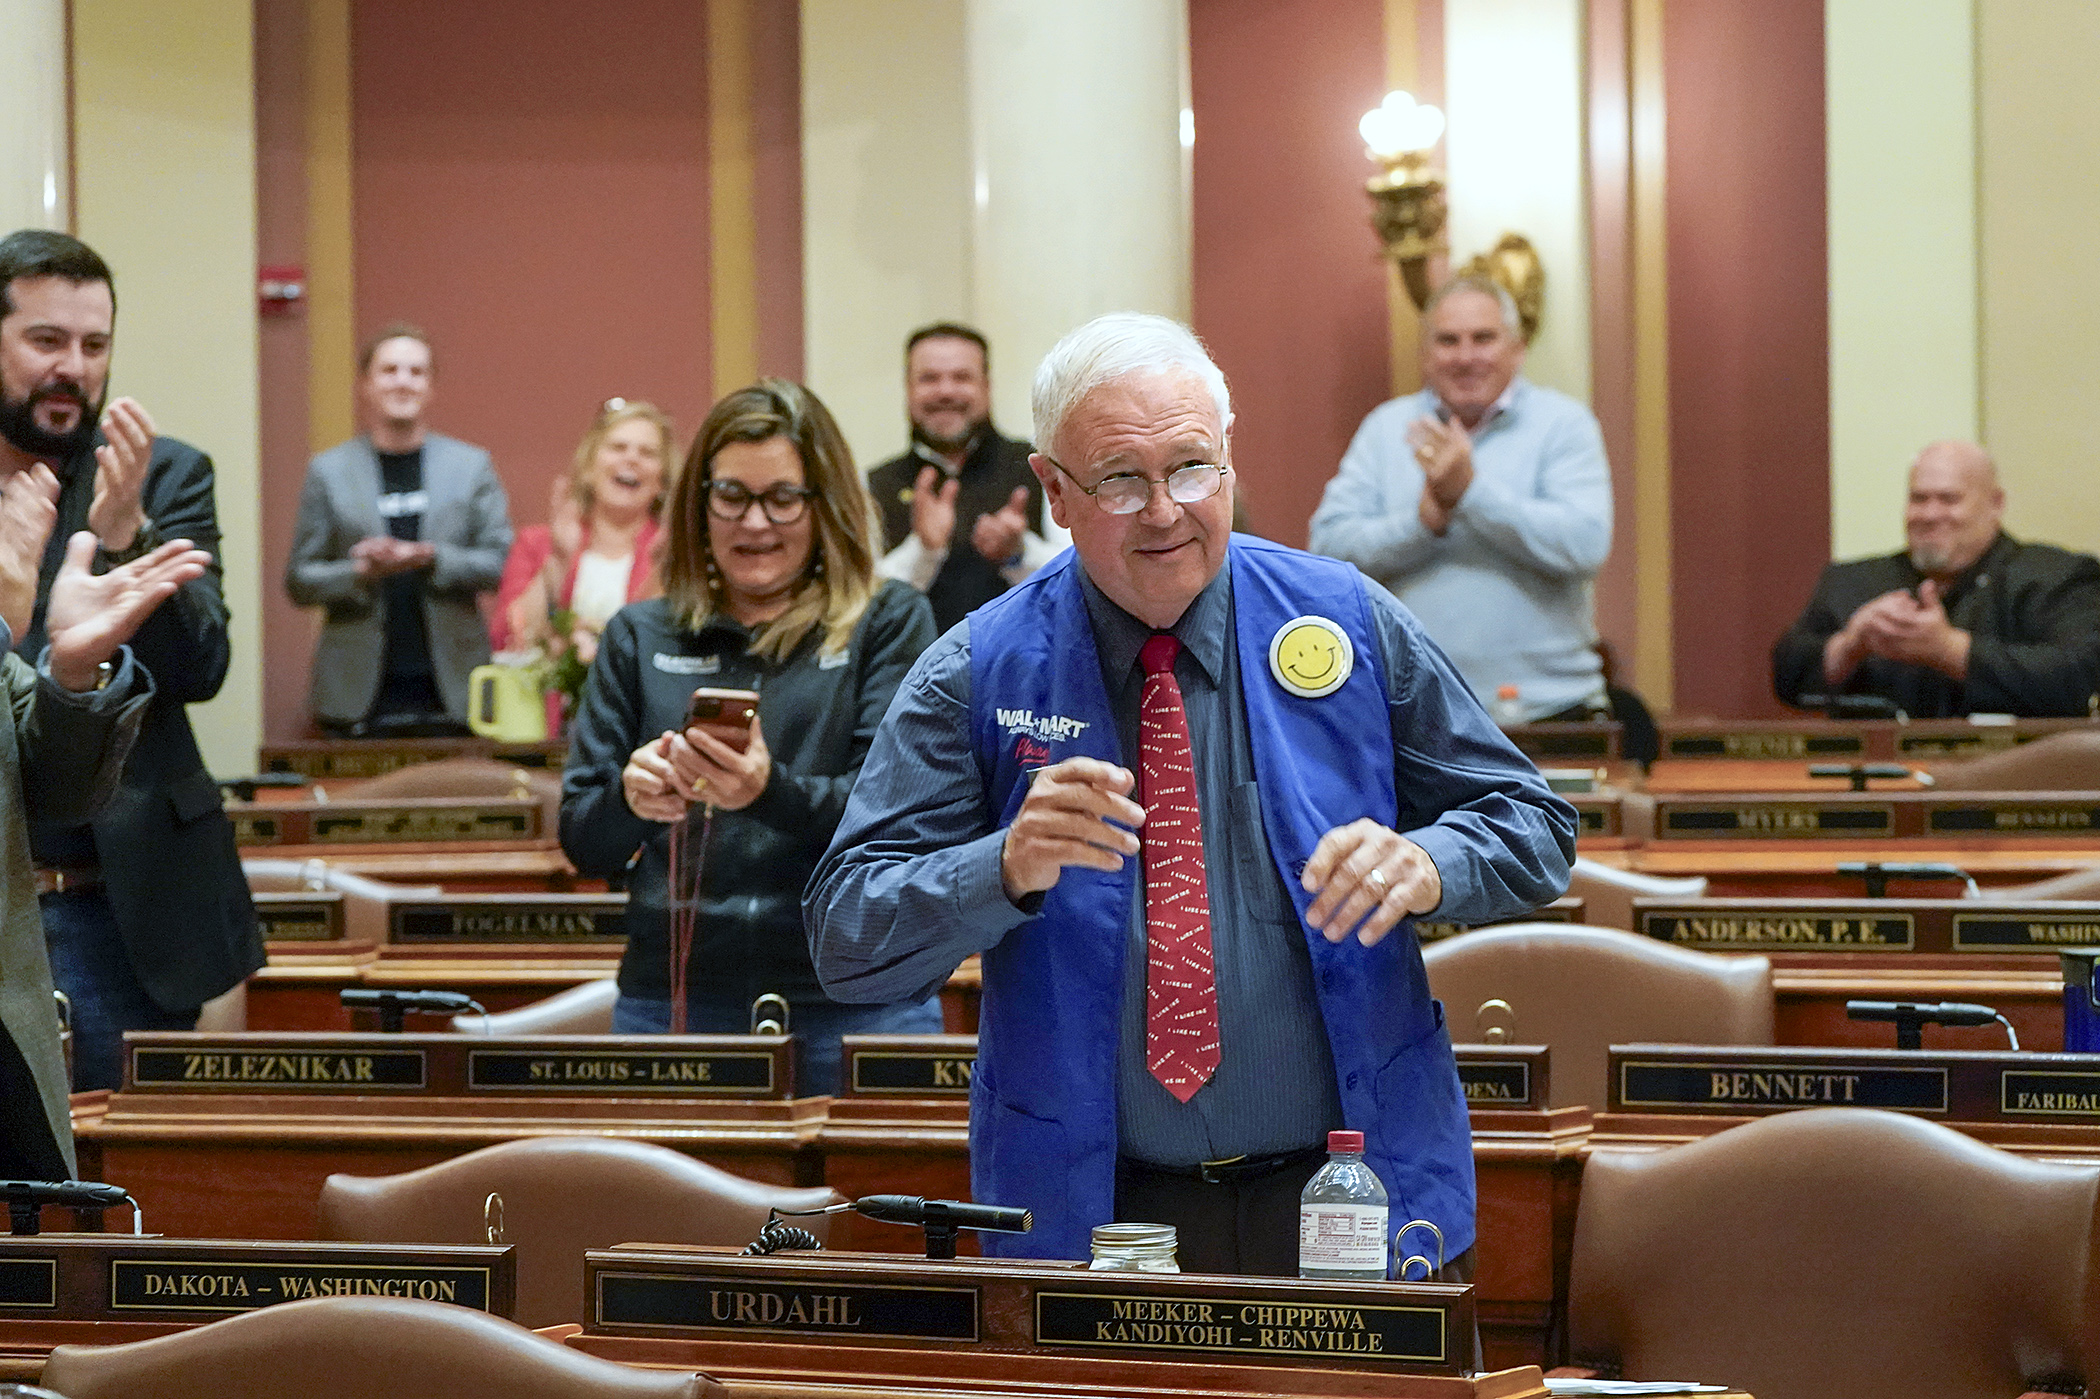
x,y
816,1025
89,964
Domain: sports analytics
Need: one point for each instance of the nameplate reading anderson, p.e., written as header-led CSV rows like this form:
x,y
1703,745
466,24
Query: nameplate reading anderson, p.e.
x,y
530,921
619,1071
1774,930
1740,1086
326,1070
1398,1335
675,1302
146,1284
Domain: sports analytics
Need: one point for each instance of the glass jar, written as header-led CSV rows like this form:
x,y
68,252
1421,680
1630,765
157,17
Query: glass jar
x,y
1134,1248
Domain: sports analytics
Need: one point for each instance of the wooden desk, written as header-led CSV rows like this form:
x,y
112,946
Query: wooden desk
x,y
305,993
336,758
229,1136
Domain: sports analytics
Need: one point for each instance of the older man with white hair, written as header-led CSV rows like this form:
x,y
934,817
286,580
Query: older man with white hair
x,y
1965,619
1270,739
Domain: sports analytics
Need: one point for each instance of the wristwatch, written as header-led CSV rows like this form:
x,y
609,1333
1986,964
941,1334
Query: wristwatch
x,y
142,544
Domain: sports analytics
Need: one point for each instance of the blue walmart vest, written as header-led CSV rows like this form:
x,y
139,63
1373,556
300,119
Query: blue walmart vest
x,y
1042,1102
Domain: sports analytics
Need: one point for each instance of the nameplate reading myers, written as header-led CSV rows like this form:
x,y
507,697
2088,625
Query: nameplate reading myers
x,y
509,918
1755,819
1932,926
684,1303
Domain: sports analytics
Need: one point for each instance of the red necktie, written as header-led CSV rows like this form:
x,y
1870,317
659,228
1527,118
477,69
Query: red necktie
x,y
1181,990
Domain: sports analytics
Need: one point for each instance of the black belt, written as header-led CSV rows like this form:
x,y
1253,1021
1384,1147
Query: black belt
x,y
1233,1170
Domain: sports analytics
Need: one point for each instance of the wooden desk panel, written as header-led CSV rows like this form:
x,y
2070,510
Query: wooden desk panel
x,y
1674,775
337,758
307,995
461,866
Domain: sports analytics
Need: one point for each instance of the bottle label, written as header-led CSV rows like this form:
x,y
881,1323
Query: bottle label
x,y
1342,1237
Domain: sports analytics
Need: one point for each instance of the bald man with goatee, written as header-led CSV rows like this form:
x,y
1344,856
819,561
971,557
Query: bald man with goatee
x,y
1965,620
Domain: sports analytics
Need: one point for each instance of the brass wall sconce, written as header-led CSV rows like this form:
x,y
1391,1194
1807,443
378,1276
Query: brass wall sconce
x,y
1409,210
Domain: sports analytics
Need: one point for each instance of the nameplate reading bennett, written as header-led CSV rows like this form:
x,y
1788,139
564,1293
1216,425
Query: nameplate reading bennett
x,y
157,1285
329,1070
1745,1086
673,1302
1266,1326
619,1071
1776,930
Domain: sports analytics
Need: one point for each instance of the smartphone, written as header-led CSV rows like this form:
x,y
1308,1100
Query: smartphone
x,y
725,714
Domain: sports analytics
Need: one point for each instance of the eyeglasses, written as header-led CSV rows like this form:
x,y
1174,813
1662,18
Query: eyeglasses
x,y
783,504
1127,492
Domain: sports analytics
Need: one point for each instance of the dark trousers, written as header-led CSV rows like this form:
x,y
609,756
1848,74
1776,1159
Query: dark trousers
x,y
1250,1228
89,964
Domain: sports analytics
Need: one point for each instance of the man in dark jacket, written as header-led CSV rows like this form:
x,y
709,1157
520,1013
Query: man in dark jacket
x,y
1967,620
958,469
145,908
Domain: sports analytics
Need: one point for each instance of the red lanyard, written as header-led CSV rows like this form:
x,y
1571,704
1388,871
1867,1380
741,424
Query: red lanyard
x,y
688,866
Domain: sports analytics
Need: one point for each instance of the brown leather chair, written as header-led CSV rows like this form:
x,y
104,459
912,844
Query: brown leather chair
x,y
358,1348
585,1009
1581,990
2060,762
1607,894
1837,1251
366,901
561,1197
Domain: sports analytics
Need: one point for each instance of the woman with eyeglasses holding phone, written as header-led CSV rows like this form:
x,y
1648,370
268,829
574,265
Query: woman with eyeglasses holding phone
x,y
596,554
769,586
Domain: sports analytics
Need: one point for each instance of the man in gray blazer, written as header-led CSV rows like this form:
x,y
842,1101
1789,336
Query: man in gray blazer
x,y
398,530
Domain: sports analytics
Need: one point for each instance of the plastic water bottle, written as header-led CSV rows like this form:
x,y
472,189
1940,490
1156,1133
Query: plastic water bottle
x,y
1507,710
1342,1215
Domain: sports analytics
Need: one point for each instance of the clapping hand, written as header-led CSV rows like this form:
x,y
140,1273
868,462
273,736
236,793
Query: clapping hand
x,y
117,513
382,555
28,510
1445,454
933,509
997,536
91,614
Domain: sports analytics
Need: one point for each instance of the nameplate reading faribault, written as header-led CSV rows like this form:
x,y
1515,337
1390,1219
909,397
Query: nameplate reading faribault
x,y
615,1072
674,1302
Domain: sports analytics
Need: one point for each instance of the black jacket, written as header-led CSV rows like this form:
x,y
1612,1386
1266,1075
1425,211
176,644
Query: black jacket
x,y
818,714
994,468
2032,612
169,863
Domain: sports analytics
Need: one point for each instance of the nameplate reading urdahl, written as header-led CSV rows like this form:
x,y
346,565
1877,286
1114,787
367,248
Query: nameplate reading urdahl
x,y
1395,1335
2016,818
1972,932
422,823
353,1071
440,923
920,1075
2024,1093
1778,821
618,1071
28,1282
1782,932
1767,745
190,1286
716,1304
1490,1085
1750,1087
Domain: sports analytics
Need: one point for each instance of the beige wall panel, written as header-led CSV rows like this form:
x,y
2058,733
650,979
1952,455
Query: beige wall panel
x,y
2039,141
33,175
885,194
165,160
1513,86
1903,289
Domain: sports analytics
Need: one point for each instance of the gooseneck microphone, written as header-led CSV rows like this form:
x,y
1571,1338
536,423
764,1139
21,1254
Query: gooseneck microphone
x,y
959,1214
392,1005
26,1198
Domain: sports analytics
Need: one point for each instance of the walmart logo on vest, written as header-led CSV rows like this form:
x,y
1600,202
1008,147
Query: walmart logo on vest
x,y
1051,728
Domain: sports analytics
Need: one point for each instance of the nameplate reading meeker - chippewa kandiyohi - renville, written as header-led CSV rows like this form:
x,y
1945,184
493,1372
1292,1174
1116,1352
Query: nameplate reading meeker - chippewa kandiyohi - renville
x,y
739,1066
1878,816
1954,1085
1980,926
832,1298
113,1277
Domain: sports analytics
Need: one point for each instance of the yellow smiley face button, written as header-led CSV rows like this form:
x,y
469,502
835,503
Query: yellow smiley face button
x,y
1311,657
